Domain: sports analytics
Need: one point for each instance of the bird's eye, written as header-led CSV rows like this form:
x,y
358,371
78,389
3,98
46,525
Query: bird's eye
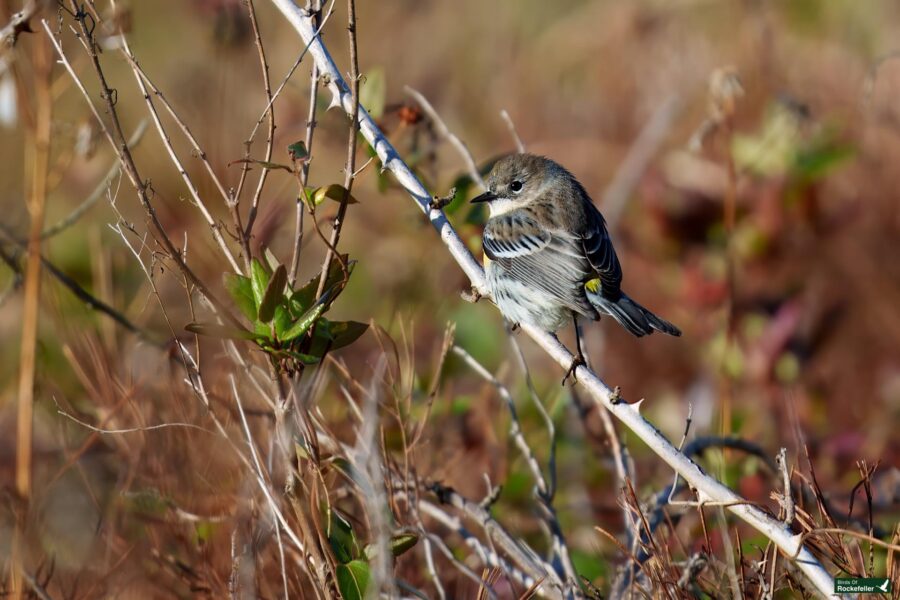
x,y
516,186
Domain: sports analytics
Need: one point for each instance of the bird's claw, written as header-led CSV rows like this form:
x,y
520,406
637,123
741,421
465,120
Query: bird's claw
x,y
578,361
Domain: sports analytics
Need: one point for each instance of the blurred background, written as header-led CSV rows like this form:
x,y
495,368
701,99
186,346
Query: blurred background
x,y
797,344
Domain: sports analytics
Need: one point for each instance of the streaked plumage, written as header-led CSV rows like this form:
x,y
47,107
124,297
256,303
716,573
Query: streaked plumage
x,y
545,241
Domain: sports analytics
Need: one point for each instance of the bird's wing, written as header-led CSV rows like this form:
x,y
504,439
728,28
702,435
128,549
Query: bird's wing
x,y
598,249
551,260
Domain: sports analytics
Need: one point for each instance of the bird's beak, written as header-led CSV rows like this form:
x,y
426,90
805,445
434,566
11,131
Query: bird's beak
x,y
485,197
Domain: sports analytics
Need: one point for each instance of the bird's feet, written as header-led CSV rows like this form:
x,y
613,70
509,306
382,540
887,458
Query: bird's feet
x,y
578,361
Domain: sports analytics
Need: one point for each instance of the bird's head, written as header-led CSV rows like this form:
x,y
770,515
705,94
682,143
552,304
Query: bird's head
x,y
518,180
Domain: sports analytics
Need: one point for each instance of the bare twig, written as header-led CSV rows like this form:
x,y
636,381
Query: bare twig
x,y
520,147
98,192
316,8
143,429
120,146
143,82
270,136
82,294
350,165
515,427
487,556
544,491
445,133
787,501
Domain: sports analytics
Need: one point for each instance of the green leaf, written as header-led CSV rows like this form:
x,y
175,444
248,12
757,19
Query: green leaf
x,y
402,543
272,261
298,151
321,341
303,324
241,292
259,280
341,538
334,192
221,331
203,531
274,294
306,359
344,333
263,331
373,91
303,297
282,320
352,579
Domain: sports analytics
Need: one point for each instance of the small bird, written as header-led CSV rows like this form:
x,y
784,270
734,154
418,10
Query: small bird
x,y
548,255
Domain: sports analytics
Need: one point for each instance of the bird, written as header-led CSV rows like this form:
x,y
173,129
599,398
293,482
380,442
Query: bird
x,y
548,254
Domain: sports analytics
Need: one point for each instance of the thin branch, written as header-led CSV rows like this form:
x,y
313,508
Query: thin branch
x,y
143,82
130,429
99,191
707,488
520,147
787,501
487,556
120,146
270,137
350,166
515,427
521,554
82,294
448,135
304,168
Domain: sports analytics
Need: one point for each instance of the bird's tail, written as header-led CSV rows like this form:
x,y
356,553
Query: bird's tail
x,y
631,315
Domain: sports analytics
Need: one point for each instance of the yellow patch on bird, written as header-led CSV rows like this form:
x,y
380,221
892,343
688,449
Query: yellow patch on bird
x,y
593,286
485,260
